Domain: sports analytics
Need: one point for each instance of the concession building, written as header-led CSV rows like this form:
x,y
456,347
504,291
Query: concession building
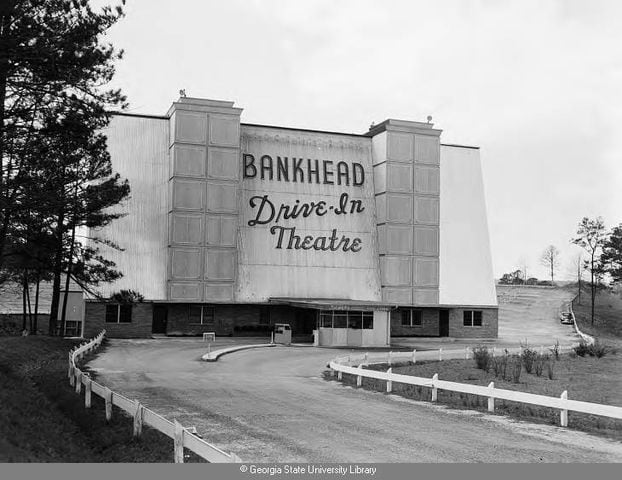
x,y
234,227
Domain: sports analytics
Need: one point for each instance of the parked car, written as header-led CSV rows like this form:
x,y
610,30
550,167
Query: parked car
x,y
566,318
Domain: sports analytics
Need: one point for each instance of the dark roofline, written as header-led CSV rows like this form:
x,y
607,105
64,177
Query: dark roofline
x,y
304,130
459,146
140,115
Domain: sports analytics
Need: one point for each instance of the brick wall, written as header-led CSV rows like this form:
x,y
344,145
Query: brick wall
x,y
430,324
489,328
139,327
428,328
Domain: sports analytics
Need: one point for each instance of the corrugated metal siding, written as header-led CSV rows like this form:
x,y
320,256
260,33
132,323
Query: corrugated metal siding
x,y
139,152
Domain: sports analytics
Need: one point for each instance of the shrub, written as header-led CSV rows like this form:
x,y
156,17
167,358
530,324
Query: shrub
x,y
517,368
598,350
555,349
529,357
500,365
582,349
539,364
482,357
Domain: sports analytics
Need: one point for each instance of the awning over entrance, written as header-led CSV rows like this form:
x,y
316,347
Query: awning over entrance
x,y
331,304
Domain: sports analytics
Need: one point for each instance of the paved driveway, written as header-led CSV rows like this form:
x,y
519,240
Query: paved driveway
x,y
272,405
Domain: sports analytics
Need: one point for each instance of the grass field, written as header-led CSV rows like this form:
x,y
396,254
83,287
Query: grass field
x,y
585,378
43,420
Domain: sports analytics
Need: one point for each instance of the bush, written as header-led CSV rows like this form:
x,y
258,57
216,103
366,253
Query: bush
x,y
482,357
500,365
598,350
582,349
517,368
529,357
555,349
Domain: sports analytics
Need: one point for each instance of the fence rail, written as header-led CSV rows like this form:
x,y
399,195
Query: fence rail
x,y
182,438
343,365
586,338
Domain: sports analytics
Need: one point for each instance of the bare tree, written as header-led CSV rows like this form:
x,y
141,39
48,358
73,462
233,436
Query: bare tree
x,y
550,259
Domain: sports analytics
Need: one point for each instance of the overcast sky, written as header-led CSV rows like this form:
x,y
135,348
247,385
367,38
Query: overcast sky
x,y
537,85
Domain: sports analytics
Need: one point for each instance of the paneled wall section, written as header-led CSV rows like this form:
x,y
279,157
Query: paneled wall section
x,y
407,183
203,212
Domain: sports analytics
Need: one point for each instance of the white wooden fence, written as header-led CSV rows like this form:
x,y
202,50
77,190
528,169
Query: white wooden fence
x,y
141,415
343,365
586,338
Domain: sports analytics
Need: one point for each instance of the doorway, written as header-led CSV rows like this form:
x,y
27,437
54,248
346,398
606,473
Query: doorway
x,y
160,314
443,323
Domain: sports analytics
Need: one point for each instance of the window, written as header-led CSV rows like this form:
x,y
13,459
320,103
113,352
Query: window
x,y
355,319
326,319
472,318
411,318
340,319
116,313
201,314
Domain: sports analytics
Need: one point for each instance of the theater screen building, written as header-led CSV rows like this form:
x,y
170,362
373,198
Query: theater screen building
x,y
232,227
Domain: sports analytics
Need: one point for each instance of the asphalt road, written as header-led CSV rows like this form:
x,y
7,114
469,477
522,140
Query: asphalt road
x,y
272,405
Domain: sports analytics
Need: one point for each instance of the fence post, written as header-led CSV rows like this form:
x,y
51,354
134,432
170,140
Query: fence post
x,y
440,354
415,355
178,443
563,414
366,357
271,338
389,382
108,400
434,389
389,358
466,353
359,378
138,419
78,380
87,392
340,375
491,398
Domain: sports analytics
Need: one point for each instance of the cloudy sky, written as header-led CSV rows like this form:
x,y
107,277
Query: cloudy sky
x,y
536,84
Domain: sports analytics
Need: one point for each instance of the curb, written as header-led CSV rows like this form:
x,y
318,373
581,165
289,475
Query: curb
x,y
215,355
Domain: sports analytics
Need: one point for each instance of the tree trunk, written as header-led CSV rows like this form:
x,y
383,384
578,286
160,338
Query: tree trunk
x,y
57,272
593,291
36,320
69,262
24,286
29,305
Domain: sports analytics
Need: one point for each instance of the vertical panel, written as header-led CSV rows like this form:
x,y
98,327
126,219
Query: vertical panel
x,y
427,149
190,127
400,147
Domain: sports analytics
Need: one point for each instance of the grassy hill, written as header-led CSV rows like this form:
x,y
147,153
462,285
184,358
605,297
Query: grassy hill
x,y
43,420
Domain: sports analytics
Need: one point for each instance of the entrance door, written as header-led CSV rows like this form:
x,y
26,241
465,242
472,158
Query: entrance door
x,y
160,313
443,323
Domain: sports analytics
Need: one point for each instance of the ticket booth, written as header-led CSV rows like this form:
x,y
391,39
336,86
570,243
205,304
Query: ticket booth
x,y
283,333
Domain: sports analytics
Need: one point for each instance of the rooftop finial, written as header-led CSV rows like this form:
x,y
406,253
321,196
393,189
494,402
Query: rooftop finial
x,y
182,92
